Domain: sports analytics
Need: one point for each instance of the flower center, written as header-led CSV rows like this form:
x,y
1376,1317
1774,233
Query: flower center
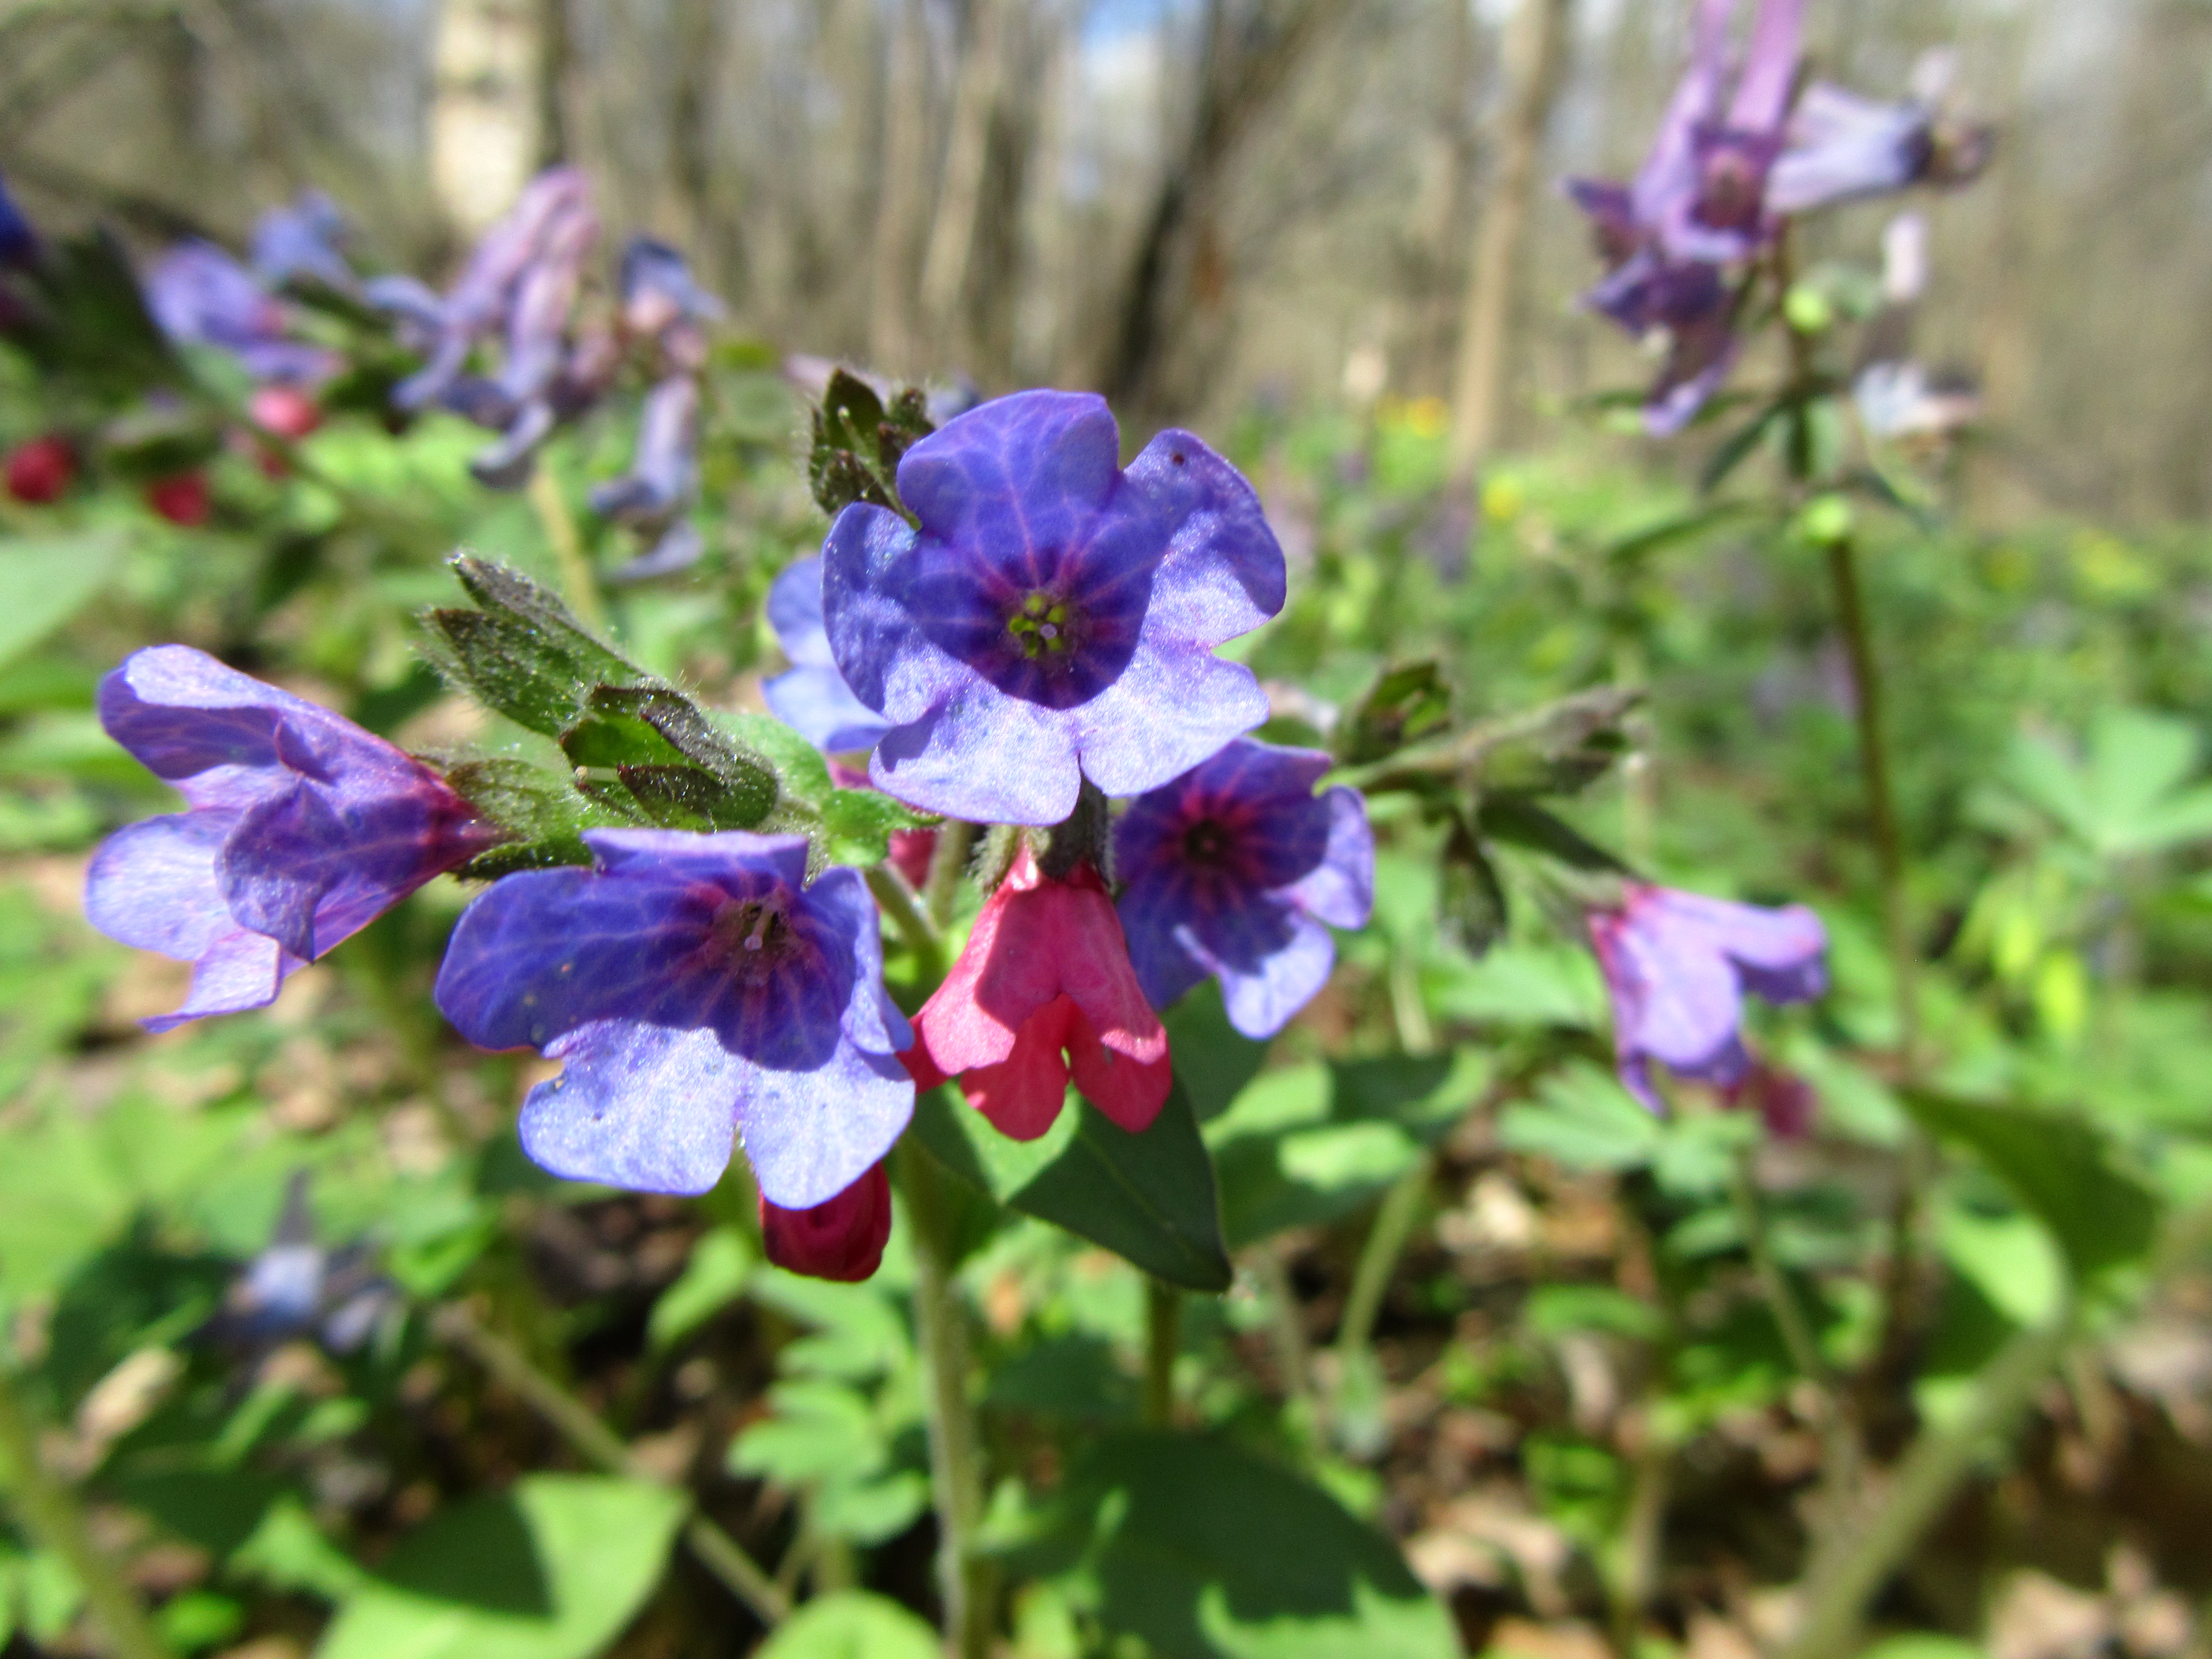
x,y
1207,842
755,937
1042,627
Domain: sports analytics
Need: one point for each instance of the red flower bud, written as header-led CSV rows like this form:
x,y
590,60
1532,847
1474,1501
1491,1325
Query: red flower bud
x,y
40,471
842,1239
182,499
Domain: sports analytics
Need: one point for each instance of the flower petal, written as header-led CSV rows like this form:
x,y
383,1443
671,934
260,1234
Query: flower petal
x,y
637,1106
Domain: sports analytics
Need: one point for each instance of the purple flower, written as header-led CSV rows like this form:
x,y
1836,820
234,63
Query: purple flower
x,y
1231,869
811,696
1843,148
1676,966
1696,306
1054,617
696,989
202,297
663,476
18,242
658,292
552,217
302,240
303,829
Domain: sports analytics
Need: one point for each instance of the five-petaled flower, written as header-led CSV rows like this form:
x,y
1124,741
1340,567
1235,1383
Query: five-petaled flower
x,y
303,829
842,1239
1053,617
1232,869
811,696
1677,965
1044,991
696,988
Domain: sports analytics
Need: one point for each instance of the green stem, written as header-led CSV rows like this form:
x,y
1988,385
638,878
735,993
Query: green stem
x,y
965,1577
948,863
577,581
1286,1327
50,1512
1881,804
897,899
1853,1562
582,1428
1634,1567
1838,1458
1378,1258
1162,1340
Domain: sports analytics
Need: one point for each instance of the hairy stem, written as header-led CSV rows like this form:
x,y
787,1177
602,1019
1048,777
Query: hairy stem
x,y
592,1439
50,1512
948,863
1853,1562
897,899
965,1577
1163,1340
577,585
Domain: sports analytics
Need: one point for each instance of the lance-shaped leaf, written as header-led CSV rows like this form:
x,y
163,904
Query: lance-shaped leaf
x,y
1149,1198
1561,748
681,769
543,817
1523,823
1406,705
1470,900
520,652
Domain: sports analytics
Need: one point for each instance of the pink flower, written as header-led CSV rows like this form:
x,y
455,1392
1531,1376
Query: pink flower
x,y
842,1239
1044,992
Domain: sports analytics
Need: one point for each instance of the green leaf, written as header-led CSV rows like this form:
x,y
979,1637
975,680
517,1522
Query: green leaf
x,y
1582,1119
1208,1553
1405,706
544,815
1556,1309
851,1625
722,1263
1561,747
520,652
858,443
1149,1198
2059,1167
682,771
1470,901
1213,1059
552,1569
1523,823
1306,1145
44,580
1738,447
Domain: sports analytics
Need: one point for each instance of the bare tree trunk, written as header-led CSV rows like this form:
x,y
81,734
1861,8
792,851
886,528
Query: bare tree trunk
x,y
1180,268
899,202
1536,52
967,149
486,107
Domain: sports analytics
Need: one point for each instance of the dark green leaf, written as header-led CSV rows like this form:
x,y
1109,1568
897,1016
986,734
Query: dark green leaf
x,y
1523,823
2059,1167
1561,747
1208,1553
1149,1198
1470,901
1405,706
1737,448
503,591
1213,1059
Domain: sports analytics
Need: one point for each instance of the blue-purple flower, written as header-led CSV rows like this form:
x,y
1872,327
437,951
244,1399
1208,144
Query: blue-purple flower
x,y
201,296
811,696
1676,966
303,240
697,990
1843,148
1232,869
303,829
18,241
1052,616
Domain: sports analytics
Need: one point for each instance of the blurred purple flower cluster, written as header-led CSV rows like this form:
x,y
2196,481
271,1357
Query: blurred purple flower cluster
x,y
1736,157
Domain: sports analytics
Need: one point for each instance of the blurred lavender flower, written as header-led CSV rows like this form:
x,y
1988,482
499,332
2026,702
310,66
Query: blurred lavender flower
x,y
201,296
1676,966
811,696
663,307
1842,147
303,240
298,1284
1898,398
302,828
1053,617
697,989
1231,869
